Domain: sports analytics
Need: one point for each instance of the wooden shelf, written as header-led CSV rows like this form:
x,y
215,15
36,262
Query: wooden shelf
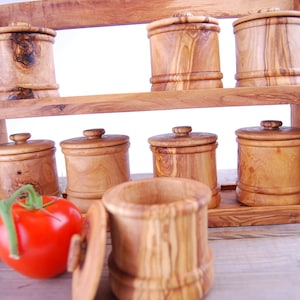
x,y
63,14
216,97
232,213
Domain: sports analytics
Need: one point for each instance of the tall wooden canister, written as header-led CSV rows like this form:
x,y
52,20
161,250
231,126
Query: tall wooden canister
x,y
268,164
267,48
94,163
187,154
185,53
24,161
159,239
26,56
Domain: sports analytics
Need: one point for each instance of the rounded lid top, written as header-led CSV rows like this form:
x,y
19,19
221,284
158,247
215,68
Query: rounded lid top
x,y
269,130
183,136
26,27
21,144
95,138
181,18
268,13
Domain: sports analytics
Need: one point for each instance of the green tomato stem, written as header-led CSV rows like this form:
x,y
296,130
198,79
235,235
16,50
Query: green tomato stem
x,y
33,201
8,221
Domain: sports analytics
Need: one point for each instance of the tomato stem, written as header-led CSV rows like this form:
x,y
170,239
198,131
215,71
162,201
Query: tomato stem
x,y
6,214
33,201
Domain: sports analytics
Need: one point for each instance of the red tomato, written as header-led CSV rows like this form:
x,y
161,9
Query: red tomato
x,y
43,237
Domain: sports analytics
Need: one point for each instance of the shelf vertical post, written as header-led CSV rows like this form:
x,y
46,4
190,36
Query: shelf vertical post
x,y
297,4
3,131
295,115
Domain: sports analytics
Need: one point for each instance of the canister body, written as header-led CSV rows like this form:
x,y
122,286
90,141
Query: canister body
x,y
268,170
267,47
28,162
185,53
93,165
154,256
176,155
26,55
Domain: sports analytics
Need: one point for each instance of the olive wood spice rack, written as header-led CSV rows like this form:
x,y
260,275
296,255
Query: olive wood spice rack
x,y
66,14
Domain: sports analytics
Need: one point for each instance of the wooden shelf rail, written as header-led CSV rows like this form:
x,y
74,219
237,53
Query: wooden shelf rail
x,y
65,14
165,100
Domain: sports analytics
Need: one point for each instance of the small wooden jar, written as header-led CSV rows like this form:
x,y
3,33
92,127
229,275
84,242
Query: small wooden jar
x,y
26,55
267,48
159,239
94,163
185,53
187,154
24,161
268,165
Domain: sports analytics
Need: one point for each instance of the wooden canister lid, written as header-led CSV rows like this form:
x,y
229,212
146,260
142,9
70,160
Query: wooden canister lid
x,y
28,28
182,18
87,253
21,144
268,13
269,130
95,138
183,136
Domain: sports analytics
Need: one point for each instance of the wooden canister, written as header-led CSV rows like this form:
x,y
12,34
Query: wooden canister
x,y
94,163
159,239
187,154
267,48
24,161
26,55
268,164
185,53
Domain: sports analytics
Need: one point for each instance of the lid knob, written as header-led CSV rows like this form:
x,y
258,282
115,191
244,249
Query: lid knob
x,y
20,138
182,130
271,124
93,133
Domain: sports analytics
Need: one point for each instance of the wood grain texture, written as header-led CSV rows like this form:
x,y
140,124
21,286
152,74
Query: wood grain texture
x,y
3,132
86,275
93,165
268,164
261,268
62,14
187,154
249,232
266,49
184,53
296,4
239,219
252,260
232,213
295,115
27,58
25,161
147,101
159,239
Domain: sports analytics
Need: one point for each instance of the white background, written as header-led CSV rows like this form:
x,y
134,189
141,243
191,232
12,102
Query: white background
x,y
117,60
